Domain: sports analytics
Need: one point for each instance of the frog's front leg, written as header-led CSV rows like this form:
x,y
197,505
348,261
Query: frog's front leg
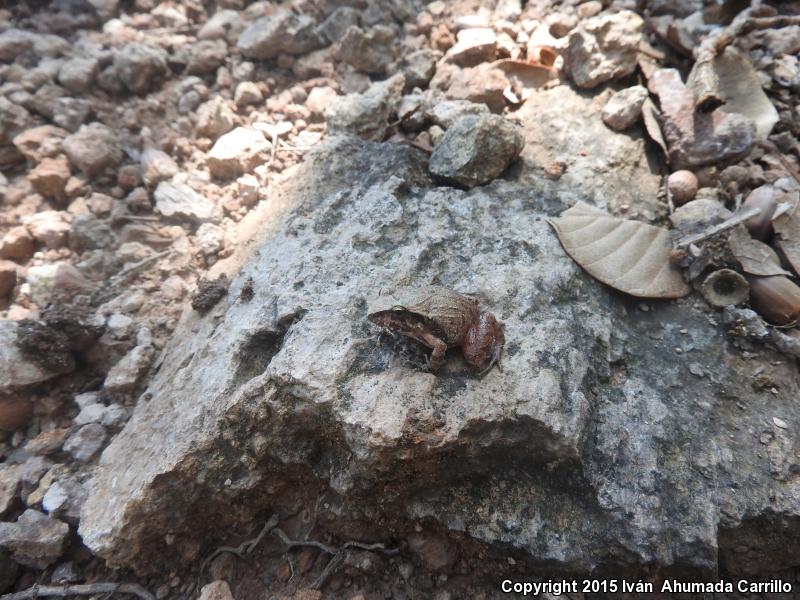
x,y
439,349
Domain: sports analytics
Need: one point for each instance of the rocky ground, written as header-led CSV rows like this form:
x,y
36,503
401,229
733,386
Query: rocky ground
x,y
199,201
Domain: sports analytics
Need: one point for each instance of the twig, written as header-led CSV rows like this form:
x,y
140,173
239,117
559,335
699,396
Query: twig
x,y
294,543
140,218
138,265
246,547
670,203
249,545
381,547
316,512
725,225
108,289
274,141
80,590
217,552
790,168
704,78
332,565
290,148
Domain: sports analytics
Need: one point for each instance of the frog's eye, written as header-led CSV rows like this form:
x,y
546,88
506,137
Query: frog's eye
x,y
399,308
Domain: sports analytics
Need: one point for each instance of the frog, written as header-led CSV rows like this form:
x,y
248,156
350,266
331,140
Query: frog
x,y
442,318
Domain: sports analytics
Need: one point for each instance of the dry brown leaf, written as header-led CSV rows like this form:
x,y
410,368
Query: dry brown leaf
x,y
697,138
787,230
542,55
739,85
651,125
630,256
678,38
756,258
525,76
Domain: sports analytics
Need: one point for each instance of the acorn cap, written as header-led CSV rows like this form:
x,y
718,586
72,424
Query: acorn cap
x,y
724,288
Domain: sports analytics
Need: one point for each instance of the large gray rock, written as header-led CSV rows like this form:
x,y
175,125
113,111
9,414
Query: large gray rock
x,y
50,177
214,118
13,119
16,369
105,9
140,67
483,84
177,201
35,540
157,166
206,56
446,112
78,74
86,442
71,113
50,227
564,130
624,108
88,233
93,148
223,24
128,372
237,152
367,115
370,51
598,443
476,149
14,42
419,67
40,142
10,482
282,31
474,45
337,23
604,48
64,498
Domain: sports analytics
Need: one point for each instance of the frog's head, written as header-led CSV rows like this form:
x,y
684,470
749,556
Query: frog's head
x,y
390,312
392,318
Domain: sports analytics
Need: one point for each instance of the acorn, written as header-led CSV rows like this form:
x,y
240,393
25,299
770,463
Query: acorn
x,y
14,413
682,186
760,225
725,287
775,298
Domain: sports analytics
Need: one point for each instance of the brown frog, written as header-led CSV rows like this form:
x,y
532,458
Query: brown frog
x,y
442,318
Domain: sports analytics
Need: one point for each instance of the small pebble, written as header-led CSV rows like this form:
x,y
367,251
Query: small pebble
x,y
590,9
682,186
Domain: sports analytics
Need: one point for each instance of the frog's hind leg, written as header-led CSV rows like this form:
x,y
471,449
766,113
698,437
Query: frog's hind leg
x,y
483,344
437,356
495,360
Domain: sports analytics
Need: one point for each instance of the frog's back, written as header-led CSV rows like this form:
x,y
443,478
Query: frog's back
x,y
452,312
